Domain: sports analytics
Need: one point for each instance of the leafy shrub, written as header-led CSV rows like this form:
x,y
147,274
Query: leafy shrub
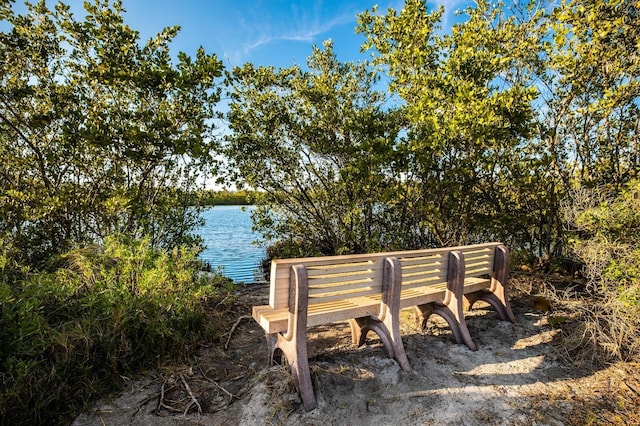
x,y
67,336
606,239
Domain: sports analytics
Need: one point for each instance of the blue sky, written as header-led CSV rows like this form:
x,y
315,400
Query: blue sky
x,y
264,32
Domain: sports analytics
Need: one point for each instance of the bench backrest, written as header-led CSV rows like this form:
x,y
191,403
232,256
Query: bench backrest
x,y
339,277
429,267
330,278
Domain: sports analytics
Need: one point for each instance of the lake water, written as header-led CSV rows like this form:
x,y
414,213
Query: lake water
x,y
228,240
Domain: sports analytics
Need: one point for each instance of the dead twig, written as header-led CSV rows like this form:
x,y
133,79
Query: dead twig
x,y
161,403
233,328
632,388
143,403
193,398
232,396
224,299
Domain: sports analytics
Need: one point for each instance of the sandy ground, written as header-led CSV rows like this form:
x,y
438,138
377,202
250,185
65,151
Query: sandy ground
x,y
515,378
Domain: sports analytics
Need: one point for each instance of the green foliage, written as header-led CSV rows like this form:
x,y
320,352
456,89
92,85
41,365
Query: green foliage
x,y
469,119
98,132
510,110
319,145
592,80
103,313
491,126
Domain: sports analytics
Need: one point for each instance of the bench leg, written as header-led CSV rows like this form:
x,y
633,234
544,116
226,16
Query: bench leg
x,y
391,339
496,295
293,344
295,352
500,304
387,323
451,307
454,317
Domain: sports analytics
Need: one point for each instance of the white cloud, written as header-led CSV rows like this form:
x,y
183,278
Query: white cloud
x,y
261,25
304,28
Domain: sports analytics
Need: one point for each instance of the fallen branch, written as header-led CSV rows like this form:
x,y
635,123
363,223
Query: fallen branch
x,y
235,325
193,398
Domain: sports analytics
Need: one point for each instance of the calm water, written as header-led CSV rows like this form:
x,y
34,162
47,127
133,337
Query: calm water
x,y
228,240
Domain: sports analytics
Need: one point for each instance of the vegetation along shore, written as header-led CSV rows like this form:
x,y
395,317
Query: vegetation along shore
x,y
516,122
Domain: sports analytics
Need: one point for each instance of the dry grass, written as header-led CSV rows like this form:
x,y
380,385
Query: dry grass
x,y
597,334
609,397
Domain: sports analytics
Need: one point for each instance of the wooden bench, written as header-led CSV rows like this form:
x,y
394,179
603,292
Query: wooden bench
x,y
369,290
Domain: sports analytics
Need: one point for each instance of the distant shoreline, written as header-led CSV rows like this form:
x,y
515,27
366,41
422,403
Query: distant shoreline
x,y
212,198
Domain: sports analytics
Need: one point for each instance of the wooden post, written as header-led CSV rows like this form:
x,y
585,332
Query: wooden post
x,y
293,344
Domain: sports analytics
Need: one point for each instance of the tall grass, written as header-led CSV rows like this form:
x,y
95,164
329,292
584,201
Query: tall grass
x,y
67,336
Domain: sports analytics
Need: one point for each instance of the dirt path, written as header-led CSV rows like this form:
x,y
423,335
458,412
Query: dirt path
x,y
515,378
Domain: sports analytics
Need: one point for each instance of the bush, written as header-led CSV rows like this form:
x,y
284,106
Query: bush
x,y
67,336
606,238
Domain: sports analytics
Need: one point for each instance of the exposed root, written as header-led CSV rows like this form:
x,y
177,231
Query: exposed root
x,y
194,401
162,404
233,328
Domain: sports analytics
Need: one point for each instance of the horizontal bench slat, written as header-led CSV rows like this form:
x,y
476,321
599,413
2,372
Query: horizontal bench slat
x,y
362,310
327,297
424,267
429,260
324,270
474,250
344,288
472,261
333,280
426,273
477,272
336,306
331,269
476,263
423,281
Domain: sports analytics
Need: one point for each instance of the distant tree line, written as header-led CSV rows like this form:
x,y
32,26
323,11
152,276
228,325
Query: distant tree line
x,y
213,197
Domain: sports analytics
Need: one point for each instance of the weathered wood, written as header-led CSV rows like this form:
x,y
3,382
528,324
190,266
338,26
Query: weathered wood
x,y
293,344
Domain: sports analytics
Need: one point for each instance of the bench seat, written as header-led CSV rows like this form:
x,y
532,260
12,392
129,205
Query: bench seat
x,y
276,320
